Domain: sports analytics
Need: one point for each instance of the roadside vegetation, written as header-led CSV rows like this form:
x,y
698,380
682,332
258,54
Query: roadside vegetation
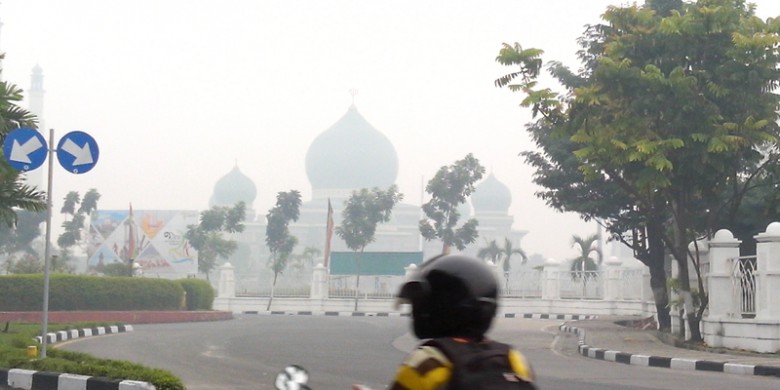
x,y
16,337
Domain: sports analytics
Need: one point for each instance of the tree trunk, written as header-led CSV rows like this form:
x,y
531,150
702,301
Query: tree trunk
x,y
656,259
273,286
357,282
661,296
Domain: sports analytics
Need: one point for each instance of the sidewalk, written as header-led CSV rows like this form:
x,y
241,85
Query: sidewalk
x,y
604,339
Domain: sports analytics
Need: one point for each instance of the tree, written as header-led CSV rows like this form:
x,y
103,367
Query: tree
x,y
584,262
19,238
504,255
674,105
490,252
363,211
206,236
507,252
304,258
449,188
14,193
77,209
277,233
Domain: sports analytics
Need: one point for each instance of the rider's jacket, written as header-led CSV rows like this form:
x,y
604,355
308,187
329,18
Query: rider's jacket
x,y
429,368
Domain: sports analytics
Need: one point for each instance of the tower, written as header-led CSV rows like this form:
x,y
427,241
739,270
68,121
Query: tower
x,y
35,105
1,51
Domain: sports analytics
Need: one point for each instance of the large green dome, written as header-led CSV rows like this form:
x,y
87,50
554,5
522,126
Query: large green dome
x,y
351,154
233,188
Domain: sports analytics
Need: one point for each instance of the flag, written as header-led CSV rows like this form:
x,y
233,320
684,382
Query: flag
x,y
130,237
328,235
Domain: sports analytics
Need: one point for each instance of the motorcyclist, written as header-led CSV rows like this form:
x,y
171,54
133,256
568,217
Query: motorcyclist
x,y
454,300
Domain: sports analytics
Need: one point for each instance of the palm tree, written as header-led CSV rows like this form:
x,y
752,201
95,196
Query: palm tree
x,y
490,252
507,253
584,263
14,194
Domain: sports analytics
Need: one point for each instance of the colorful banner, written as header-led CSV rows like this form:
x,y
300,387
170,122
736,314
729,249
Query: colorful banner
x,y
153,239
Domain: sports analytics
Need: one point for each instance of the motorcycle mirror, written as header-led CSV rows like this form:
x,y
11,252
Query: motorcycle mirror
x,y
293,377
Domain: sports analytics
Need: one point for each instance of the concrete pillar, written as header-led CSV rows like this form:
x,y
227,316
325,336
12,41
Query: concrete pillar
x,y
613,285
409,271
319,282
722,249
227,281
550,279
768,268
647,290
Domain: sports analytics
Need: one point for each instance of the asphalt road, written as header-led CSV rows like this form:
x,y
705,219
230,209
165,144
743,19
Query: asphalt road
x,y
248,352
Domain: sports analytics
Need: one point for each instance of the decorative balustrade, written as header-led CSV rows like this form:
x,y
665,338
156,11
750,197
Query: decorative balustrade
x,y
743,286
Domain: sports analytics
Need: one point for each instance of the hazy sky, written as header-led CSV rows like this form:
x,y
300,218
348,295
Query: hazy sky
x,y
177,92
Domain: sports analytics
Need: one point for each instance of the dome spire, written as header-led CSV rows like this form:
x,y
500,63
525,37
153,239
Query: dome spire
x,y
353,92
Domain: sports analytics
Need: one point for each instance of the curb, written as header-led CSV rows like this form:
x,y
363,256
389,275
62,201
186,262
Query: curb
x,y
56,337
17,378
396,314
666,362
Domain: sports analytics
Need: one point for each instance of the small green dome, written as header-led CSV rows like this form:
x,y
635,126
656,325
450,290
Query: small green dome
x,y
233,188
491,195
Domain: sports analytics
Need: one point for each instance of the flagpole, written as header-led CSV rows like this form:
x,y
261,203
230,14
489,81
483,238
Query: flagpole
x,y
328,236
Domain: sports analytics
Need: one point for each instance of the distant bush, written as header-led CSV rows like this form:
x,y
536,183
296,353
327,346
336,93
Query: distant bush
x,y
81,292
199,293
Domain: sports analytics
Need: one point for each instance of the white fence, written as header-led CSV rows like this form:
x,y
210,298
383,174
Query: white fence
x,y
744,293
611,290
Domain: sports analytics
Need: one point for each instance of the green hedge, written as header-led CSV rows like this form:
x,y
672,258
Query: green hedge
x,y
81,292
200,294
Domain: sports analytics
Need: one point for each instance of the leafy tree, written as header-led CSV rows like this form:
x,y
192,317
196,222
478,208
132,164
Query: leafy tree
x,y
19,238
77,209
307,257
14,193
277,233
449,188
206,236
363,211
584,262
28,263
674,104
490,252
507,252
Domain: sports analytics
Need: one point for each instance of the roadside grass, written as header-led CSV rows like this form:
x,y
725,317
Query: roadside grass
x,y
16,337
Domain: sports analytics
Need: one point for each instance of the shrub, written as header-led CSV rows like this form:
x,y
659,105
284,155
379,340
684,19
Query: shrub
x,y
199,293
81,292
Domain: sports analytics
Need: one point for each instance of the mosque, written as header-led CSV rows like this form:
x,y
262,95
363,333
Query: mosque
x,y
334,172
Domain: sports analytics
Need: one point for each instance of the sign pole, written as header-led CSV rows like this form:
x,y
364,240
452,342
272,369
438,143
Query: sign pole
x,y
47,255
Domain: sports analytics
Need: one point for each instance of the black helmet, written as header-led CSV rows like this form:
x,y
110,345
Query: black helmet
x,y
451,296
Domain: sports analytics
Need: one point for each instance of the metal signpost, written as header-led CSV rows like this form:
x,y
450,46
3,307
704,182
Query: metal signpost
x,y
26,149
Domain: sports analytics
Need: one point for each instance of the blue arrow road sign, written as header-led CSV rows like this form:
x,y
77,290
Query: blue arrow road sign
x,y
77,152
25,149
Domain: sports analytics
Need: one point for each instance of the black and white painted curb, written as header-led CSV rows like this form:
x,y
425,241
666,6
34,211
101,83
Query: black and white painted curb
x,y
666,362
39,380
16,378
56,337
567,317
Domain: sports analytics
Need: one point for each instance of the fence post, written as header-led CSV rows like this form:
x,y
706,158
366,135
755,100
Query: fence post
x,y
768,267
612,283
227,281
550,283
319,282
723,247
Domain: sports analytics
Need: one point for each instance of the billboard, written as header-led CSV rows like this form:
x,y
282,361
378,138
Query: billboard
x,y
153,239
